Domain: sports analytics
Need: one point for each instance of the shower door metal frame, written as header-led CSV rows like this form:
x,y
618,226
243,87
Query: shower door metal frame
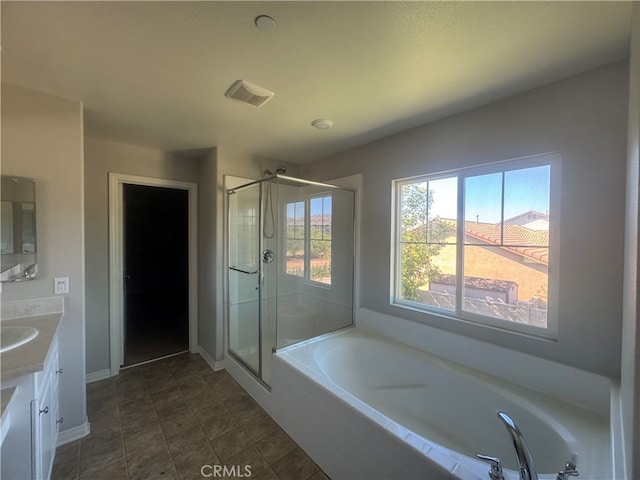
x,y
258,373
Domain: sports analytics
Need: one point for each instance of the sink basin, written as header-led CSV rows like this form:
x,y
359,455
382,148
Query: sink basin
x,y
15,336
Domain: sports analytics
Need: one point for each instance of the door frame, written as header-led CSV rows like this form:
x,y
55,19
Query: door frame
x,y
116,260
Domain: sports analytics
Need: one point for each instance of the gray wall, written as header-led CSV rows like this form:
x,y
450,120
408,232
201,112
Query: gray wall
x,y
42,138
584,118
207,260
630,378
102,157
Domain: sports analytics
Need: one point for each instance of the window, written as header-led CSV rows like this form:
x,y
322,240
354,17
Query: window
x,y
308,239
473,244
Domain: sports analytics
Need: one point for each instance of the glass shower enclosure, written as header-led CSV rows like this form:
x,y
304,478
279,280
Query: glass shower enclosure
x,y
290,266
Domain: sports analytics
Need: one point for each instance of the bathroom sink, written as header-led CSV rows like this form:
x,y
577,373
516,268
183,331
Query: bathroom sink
x,y
15,336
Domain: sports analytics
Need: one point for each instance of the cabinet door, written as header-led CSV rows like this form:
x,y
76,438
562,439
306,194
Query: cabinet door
x,y
44,424
55,402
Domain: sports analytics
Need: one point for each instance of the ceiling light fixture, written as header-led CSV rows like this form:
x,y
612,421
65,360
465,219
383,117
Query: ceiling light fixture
x,y
322,123
265,23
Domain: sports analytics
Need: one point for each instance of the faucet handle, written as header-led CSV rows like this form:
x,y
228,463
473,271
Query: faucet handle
x,y
564,474
496,467
569,468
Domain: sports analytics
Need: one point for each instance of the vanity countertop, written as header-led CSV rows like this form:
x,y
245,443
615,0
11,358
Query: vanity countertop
x,y
29,358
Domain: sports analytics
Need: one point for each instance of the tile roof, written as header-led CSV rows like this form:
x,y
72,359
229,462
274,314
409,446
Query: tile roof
x,y
518,239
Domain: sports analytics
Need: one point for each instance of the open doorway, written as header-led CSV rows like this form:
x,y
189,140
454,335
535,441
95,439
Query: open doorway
x,y
156,272
152,311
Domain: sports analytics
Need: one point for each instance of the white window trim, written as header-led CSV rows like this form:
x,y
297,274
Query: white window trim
x,y
306,277
551,331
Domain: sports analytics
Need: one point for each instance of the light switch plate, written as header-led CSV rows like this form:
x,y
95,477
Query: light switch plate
x,y
60,285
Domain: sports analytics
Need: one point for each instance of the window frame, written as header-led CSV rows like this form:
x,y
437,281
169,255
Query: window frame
x,y
306,274
459,314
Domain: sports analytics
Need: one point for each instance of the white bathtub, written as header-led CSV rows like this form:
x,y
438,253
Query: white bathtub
x,y
368,408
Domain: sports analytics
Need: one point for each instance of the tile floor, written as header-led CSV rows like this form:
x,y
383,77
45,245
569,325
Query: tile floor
x,y
166,419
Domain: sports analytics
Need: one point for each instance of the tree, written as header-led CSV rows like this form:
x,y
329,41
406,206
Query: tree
x,y
320,243
420,235
294,245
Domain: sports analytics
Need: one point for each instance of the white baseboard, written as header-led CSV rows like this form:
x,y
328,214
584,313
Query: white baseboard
x,y
99,375
75,433
216,366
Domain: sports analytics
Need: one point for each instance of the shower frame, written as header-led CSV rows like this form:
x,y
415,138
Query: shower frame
x,y
231,191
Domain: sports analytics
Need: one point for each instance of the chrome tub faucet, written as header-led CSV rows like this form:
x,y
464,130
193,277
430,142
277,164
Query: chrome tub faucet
x,y
526,468
525,461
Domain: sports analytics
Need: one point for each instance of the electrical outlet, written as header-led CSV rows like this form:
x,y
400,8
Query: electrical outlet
x,y
60,285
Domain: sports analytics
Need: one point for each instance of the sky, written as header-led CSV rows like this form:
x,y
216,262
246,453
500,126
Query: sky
x,y
319,205
524,190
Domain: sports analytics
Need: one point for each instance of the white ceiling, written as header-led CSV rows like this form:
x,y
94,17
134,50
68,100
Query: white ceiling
x,y
155,73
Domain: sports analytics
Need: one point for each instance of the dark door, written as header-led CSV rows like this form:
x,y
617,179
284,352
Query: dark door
x,y
156,272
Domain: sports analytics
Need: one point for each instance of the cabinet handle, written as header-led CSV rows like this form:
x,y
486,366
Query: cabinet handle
x,y
59,371
45,410
60,420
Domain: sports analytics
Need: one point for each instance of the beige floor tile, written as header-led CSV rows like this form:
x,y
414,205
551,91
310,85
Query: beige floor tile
x,y
97,391
243,407
139,438
162,472
230,443
206,406
165,420
259,426
178,422
134,407
130,392
294,466
111,471
189,464
183,442
142,462
139,420
216,426
275,446
192,386
66,469
101,448
250,458
319,475
159,383
167,396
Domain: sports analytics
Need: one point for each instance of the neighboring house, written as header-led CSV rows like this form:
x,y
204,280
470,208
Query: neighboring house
x,y
538,219
475,287
521,259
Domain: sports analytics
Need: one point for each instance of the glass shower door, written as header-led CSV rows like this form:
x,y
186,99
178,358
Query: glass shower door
x,y
245,276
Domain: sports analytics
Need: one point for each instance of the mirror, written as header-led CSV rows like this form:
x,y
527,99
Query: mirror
x,y
18,229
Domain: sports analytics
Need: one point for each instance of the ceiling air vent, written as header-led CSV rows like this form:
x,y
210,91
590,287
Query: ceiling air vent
x,y
249,93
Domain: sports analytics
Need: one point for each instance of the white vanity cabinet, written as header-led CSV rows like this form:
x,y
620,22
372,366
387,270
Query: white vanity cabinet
x,y
45,420
31,374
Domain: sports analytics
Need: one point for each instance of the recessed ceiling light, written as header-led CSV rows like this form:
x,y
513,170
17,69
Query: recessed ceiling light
x,y
265,23
322,123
